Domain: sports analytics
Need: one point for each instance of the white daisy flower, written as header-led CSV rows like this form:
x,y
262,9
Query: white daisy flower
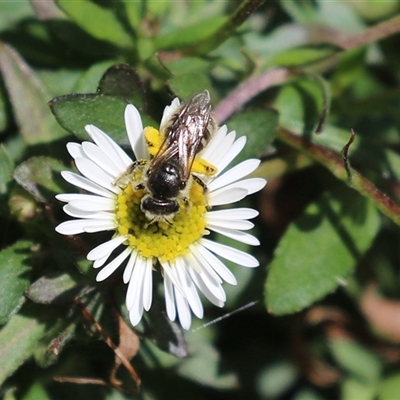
x,y
189,262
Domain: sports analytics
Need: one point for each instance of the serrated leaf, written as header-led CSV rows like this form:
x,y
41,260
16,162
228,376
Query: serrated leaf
x,y
320,249
57,289
102,24
14,278
123,81
40,176
29,99
19,337
74,111
259,126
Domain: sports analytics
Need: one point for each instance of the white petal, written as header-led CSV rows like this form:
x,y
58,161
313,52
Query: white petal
x,y
75,150
182,306
169,298
233,151
100,262
93,172
212,151
135,292
77,226
98,225
170,270
232,214
236,235
68,197
196,251
114,152
93,204
86,184
229,253
148,285
134,129
103,160
226,195
216,264
211,288
234,174
112,266
106,248
129,266
252,185
74,212
242,225
168,111
189,288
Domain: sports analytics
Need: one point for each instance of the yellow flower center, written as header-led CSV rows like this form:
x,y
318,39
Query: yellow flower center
x,y
160,239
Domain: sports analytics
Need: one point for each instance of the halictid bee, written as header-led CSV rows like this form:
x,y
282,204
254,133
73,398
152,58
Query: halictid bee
x,y
168,177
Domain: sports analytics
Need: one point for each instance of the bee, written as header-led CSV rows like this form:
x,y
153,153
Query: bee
x,y
169,176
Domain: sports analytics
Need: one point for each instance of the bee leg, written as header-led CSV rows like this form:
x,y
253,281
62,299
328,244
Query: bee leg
x,y
201,183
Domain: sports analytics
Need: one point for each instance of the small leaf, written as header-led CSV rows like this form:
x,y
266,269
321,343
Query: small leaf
x,y
390,388
259,126
57,289
74,111
29,99
19,337
190,35
356,359
40,176
189,83
300,106
6,169
36,392
204,364
102,24
14,278
123,81
320,249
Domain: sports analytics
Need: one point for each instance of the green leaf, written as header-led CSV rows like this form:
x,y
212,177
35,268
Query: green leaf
x,y
29,99
123,81
190,35
360,390
204,364
14,277
320,249
301,56
6,169
74,111
300,105
390,388
89,80
356,360
36,392
12,12
186,85
119,86
259,126
40,176
102,23
57,288
19,337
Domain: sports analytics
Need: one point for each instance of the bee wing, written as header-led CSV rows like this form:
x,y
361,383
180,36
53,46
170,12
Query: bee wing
x,y
186,134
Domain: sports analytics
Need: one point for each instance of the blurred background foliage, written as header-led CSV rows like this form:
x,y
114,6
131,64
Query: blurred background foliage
x,y
294,77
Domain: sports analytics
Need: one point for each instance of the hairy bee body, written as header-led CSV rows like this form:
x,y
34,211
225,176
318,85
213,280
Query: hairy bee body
x,y
168,177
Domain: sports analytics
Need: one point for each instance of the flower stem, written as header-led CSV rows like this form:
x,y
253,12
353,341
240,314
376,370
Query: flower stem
x,y
337,166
